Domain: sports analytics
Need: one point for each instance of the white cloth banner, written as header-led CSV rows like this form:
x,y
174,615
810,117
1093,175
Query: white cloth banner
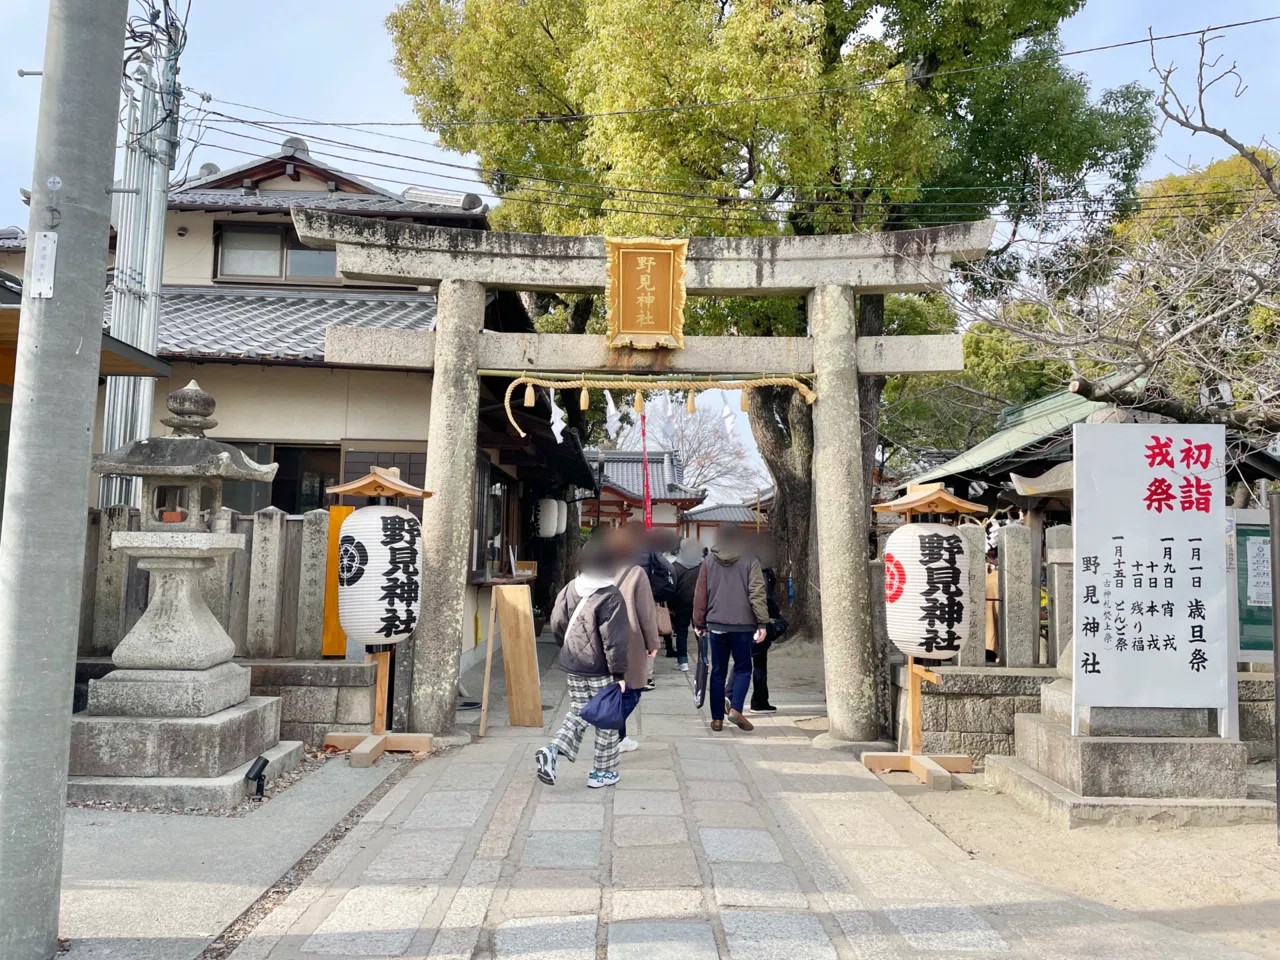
x,y
1150,566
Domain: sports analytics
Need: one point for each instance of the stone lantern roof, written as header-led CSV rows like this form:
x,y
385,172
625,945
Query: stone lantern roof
x,y
186,452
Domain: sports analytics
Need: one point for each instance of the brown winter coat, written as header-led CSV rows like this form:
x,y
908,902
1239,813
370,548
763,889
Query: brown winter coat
x,y
642,619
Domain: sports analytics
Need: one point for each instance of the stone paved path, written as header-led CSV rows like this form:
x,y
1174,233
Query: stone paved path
x,y
743,846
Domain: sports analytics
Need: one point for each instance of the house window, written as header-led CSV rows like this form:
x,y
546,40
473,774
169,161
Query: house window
x,y
261,252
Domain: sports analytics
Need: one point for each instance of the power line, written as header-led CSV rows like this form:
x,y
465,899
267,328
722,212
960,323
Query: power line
x,y
796,94
1079,204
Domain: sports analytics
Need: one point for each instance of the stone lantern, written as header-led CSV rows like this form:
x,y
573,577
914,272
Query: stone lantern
x,y
176,711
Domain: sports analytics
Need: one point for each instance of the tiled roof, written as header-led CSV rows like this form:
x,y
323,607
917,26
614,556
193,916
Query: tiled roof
x,y
272,324
12,240
724,513
280,201
624,471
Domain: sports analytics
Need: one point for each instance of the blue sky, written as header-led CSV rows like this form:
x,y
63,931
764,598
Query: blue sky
x,y
324,61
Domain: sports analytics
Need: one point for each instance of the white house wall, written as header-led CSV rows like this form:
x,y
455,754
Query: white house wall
x,y
284,404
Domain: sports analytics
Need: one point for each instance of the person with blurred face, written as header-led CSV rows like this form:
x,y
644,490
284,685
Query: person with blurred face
x,y
632,579
767,555
729,605
688,563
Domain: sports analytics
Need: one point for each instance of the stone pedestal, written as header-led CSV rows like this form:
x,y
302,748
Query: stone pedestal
x,y
1132,766
176,724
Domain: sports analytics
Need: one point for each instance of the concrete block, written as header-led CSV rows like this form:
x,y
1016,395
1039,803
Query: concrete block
x,y
168,693
644,831
1065,809
671,941
568,816
771,885
312,673
415,857
1019,602
542,893
973,653
372,921
717,790
1150,767
1059,547
932,741
544,938
1055,704
312,581
355,704
1026,705
981,745
1257,720
654,904
309,704
1256,686
173,746
211,793
979,714
933,711
651,803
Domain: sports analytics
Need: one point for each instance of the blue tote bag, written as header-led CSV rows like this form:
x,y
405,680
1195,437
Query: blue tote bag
x,y
609,709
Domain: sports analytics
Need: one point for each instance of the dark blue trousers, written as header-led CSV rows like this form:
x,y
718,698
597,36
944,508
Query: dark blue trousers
x,y
737,645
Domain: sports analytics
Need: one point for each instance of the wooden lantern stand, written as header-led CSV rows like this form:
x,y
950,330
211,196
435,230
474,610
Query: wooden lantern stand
x,y
383,484
933,770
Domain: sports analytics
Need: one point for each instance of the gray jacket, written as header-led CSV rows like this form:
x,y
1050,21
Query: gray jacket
x,y
730,593
592,639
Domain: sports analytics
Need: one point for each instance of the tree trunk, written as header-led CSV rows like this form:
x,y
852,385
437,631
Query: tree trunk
x,y
783,428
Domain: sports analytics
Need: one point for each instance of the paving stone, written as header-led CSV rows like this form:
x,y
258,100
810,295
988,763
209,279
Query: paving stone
x,y
852,825
811,783
656,867
718,791
944,927
561,850
460,929
656,904
415,856
711,770
540,893
756,885
660,726
740,846
447,811
568,816
701,750
648,831
546,938
758,935
491,751
654,803
648,757
571,789
505,821
470,776
372,921
632,779
725,813
669,941
904,873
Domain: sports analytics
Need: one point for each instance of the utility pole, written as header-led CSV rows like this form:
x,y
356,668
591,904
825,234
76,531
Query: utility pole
x,y
47,485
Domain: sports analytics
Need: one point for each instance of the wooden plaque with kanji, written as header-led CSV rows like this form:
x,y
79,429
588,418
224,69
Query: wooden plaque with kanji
x,y
645,293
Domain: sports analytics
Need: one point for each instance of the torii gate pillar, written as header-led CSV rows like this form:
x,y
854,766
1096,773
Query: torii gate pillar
x,y
829,270
842,518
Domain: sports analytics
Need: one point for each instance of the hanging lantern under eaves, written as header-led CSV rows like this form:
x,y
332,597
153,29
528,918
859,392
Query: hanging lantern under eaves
x,y
562,516
926,590
546,517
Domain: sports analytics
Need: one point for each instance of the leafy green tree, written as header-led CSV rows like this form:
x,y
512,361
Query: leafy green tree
x,y
808,116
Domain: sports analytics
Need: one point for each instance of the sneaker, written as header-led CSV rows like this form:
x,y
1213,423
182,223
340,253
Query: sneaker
x,y
627,745
545,758
684,668
767,708
651,685
602,778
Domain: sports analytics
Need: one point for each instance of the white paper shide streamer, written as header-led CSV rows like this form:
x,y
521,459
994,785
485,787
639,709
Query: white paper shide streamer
x,y
926,590
558,420
379,575
612,419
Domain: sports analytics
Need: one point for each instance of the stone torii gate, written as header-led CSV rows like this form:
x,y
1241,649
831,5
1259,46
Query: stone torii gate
x,y
830,270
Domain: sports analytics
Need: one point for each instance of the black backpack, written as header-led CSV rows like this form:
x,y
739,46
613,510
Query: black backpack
x,y
662,578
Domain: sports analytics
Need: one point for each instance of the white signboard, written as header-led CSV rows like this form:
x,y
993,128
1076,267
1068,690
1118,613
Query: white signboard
x,y
1258,570
1150,566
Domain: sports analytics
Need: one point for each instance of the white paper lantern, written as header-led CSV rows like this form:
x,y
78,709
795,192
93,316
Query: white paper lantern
x,y
926,590
546,517
379,575
562,516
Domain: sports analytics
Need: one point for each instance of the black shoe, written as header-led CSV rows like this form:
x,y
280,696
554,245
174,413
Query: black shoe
x,y
670,654
767,708
650,685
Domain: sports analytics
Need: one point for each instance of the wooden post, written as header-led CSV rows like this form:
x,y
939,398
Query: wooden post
x,y
915,718
383,660
488,662
333,643
934,771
